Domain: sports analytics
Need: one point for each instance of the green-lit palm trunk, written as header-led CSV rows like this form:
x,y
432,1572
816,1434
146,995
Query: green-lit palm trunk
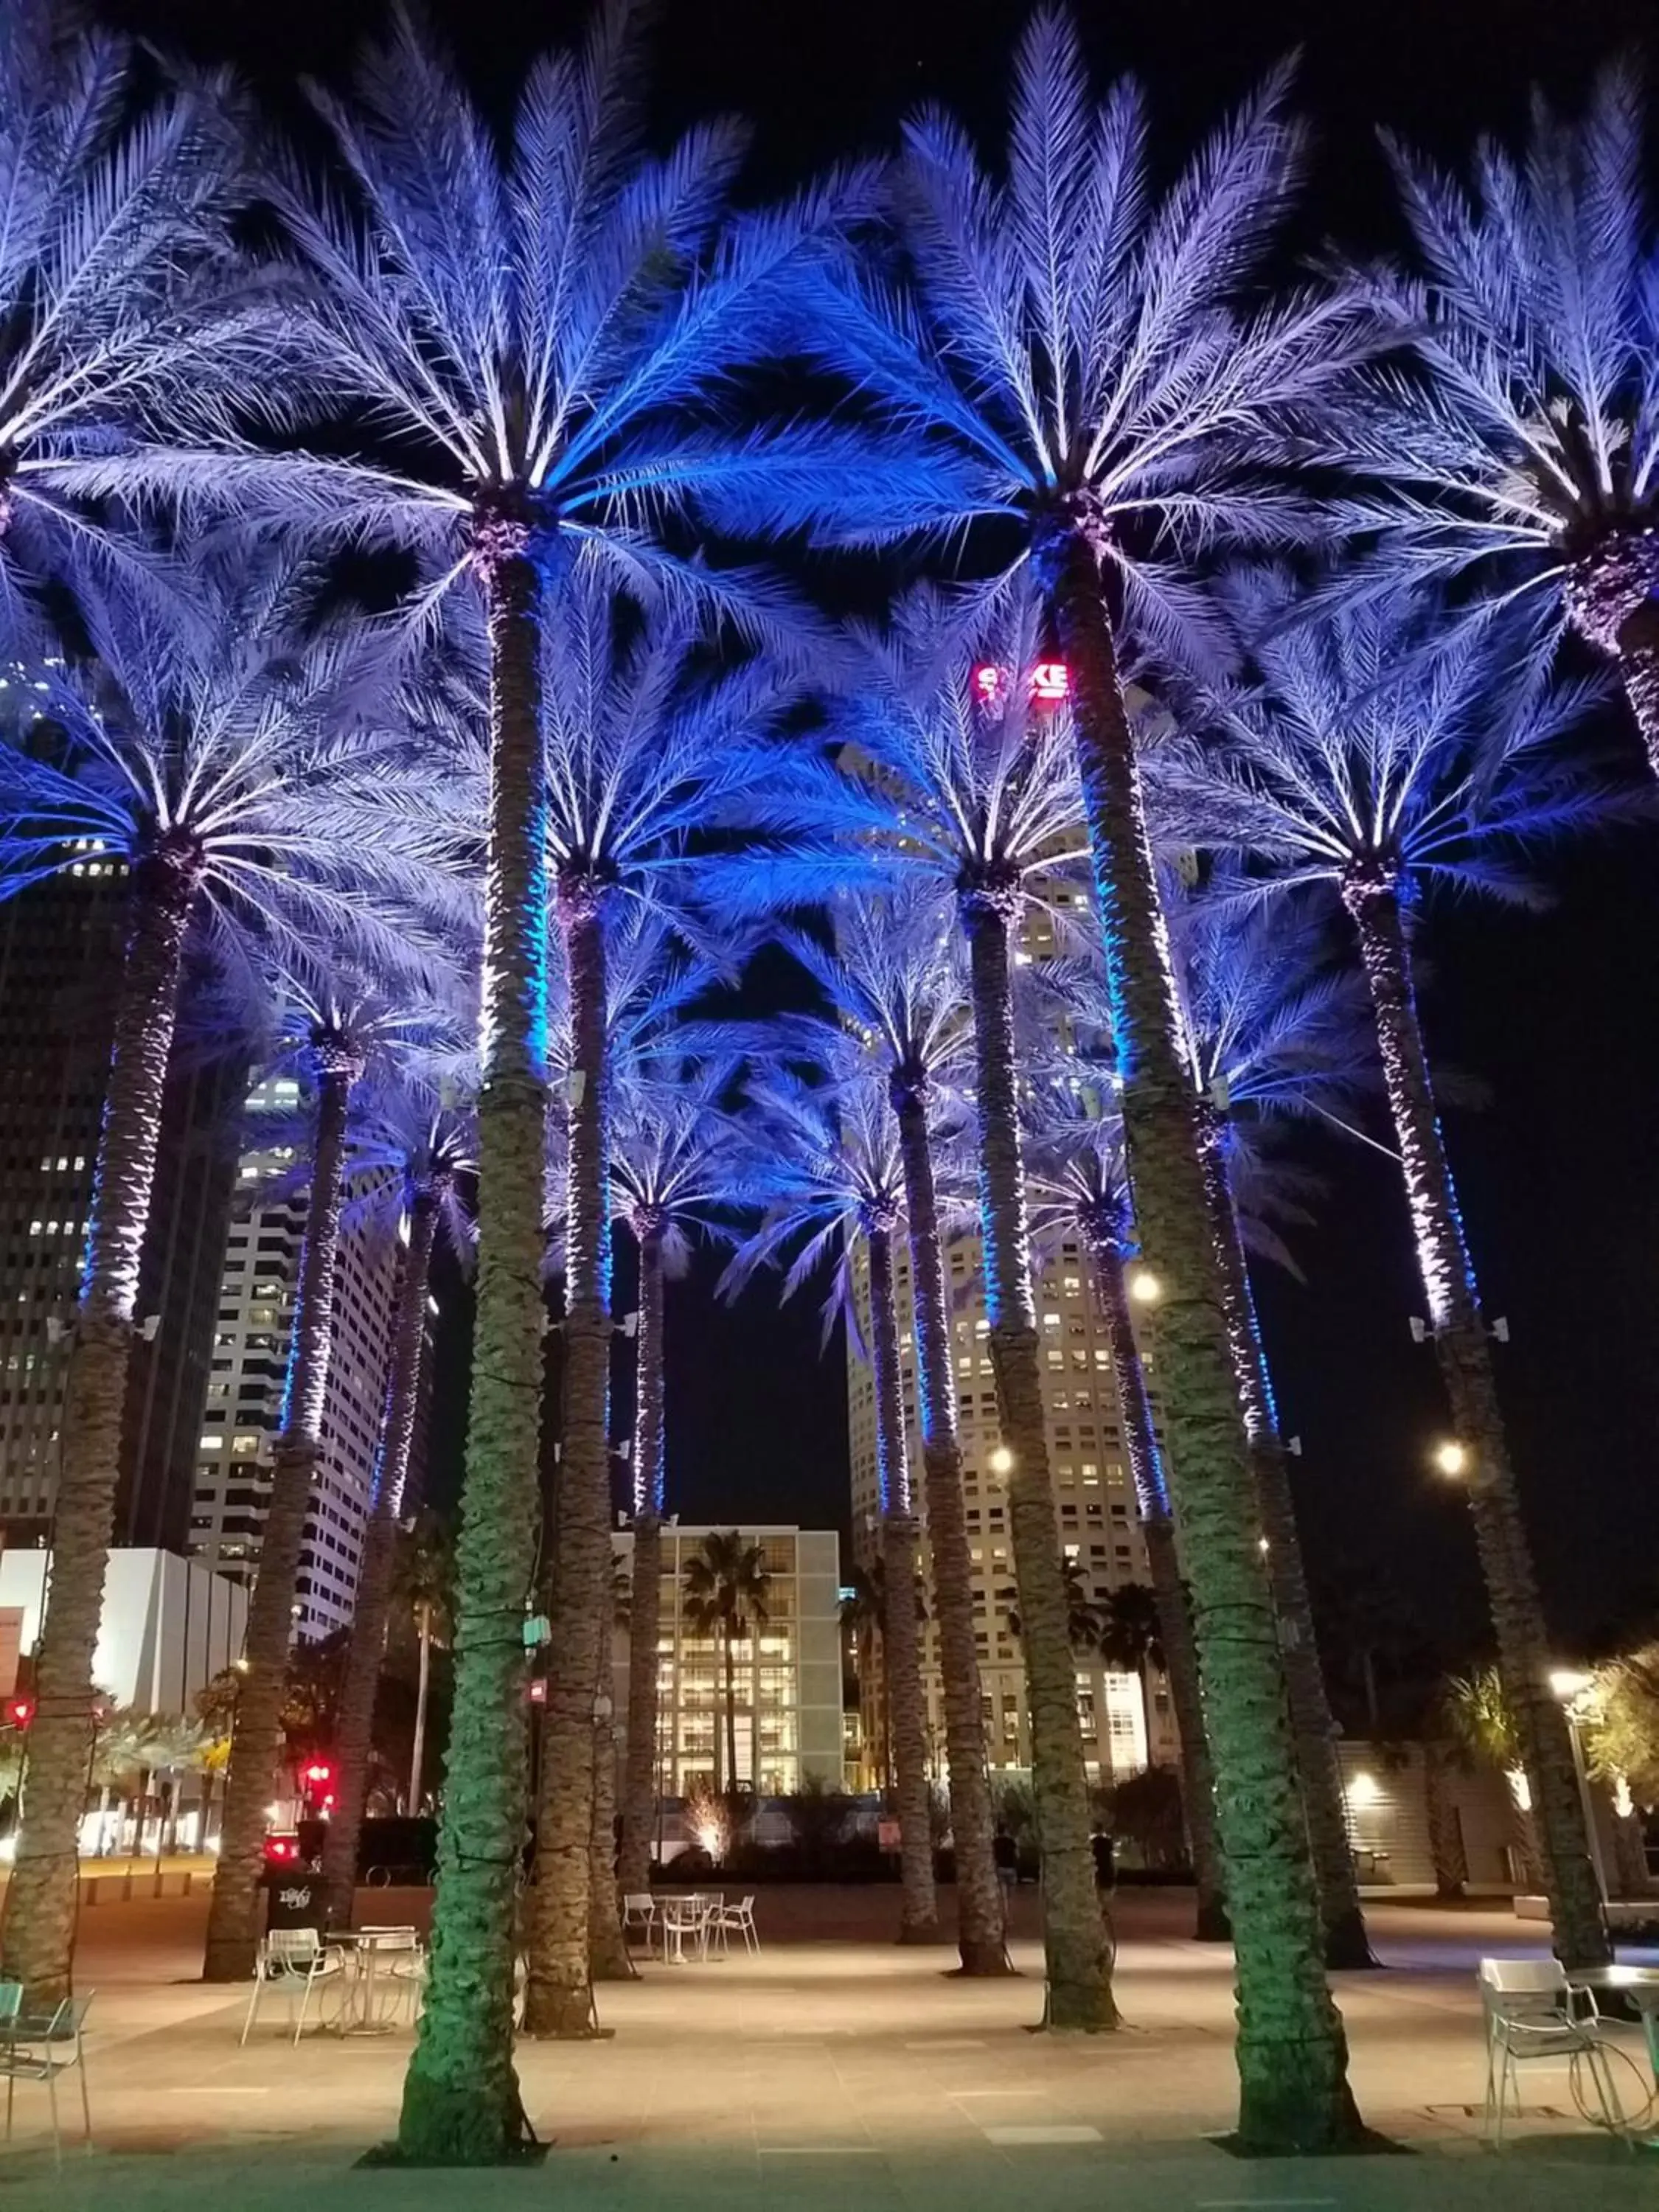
x,y
38,1937
355,1720
901,1638
1345,1940
640,1772
558,1993
1462,1345
1290,2048
979,1898
256,1741
461,2105
1077,1965
1175,1626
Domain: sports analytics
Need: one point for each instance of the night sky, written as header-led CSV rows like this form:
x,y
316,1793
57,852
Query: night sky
x,y
1553,1014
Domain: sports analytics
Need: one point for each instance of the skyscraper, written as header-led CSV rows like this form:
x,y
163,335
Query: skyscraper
x,y
1123,1731
241,1412
60,965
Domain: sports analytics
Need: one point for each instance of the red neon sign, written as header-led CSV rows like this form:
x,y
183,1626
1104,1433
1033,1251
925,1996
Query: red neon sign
x,y
1050,681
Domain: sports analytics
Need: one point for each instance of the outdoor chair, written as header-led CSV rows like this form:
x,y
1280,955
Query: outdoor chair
x,y
39,2050
1533,2014
683,1916
293,1959
401,1960
738,1920
638,1910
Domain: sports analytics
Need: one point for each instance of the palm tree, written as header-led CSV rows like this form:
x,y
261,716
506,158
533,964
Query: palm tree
x,y
824,1170
114,254
862,1613
1480,1719
1082,1616
195,756
1387,750
1272,1031
1079,1188
1522,438
972,792
668,1145
423,1583
340,1026
534,319
1072,358
412,1150
894,979
725,1595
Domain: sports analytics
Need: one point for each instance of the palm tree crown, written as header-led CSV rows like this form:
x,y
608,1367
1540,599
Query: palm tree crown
x,y
1527,431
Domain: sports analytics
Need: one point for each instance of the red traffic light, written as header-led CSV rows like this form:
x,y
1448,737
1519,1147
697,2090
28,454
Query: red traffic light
x,y
282,1850
20,1711
320,1773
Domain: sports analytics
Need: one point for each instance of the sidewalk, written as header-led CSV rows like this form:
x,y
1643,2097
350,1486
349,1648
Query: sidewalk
x,y
820,2074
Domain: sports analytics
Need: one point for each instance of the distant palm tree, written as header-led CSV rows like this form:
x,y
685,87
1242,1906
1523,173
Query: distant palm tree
x,y
823,1169
1080,1190
1481,1719
1082,1614
409,1155
669,1143
338,1027
1080,352
195,756
972,792
893,975
726,1585
1525,440
423,1583
1389,749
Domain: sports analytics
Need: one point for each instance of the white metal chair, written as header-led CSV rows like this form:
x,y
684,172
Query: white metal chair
x,y
39,2050
392,1955
638,1910
1533,2015
293,1960
738,1920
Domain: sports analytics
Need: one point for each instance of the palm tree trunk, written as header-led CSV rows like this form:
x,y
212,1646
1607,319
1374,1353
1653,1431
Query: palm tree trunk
x,y
1446,1850
355,1721
1291,2049
978,1895
730,1634
1077,1965
461,2104
422,1686
38,1936
1134,1415
558,1993
234,1917
919,1909
1610,596
640,1774
1346,1943
607,1949
1465,1357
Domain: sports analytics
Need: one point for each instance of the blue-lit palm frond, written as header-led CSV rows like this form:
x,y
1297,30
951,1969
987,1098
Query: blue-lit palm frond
x,y
1393,736
116,283
411,1133
547,316
892,971
820,1164
672,1145
263,757
1527,428
931,773
1065,339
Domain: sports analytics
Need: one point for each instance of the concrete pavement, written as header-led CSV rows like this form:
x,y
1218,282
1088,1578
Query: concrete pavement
x,y
824,2073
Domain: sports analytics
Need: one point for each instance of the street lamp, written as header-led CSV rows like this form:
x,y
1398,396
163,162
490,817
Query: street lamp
x,y
1577,1694
1451,1458
1145,1288
1001,1460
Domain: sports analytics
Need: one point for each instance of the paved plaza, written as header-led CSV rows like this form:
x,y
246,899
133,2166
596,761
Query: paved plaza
x,y
824,2072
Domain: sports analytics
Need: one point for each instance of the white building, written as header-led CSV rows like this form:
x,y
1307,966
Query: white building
x,y
788,1705
243,1412
1094,1507
168,1626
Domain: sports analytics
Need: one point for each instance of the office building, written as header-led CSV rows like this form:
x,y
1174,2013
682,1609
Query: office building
x,y
788,1705
242,1410
1123,1731
167,1628
61,945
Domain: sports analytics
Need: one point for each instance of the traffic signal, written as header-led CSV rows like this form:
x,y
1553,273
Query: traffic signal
x,y
319,1777
20,1711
